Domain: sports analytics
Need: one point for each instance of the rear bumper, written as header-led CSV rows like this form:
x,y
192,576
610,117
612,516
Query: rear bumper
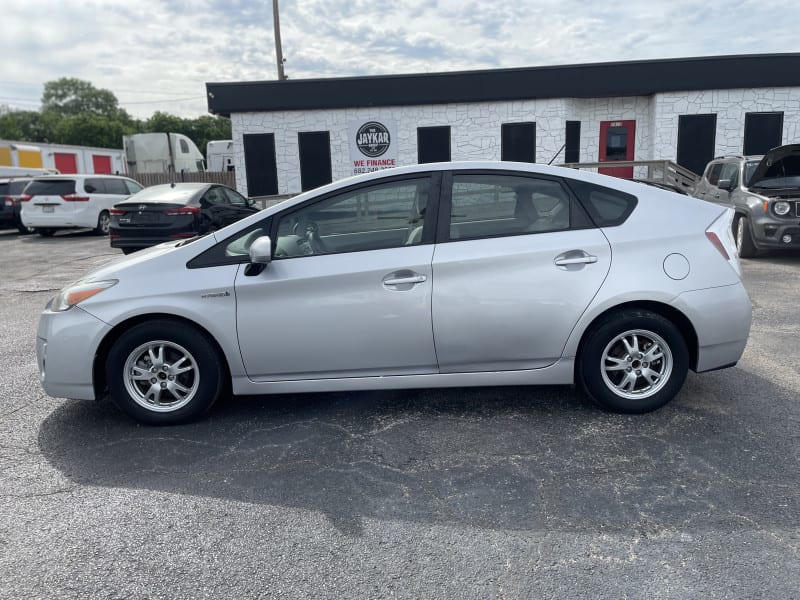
x,y
66,344
721,317
87,217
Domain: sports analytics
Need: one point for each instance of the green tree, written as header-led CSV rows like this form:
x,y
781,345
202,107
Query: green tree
x,y
28,126
92,130
70,97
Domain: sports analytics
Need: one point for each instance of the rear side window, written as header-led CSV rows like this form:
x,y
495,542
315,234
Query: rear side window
x,y
607,207
116,186
95,186
4,189
495,205
51,187
132,186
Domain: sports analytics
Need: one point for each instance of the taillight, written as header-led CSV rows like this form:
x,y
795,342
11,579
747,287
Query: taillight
x,y
714,239
720,234
116,211
8,200
74,198
183,210
25,197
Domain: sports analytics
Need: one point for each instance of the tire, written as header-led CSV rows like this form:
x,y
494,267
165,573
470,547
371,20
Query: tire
x,y
46,232
744,238
25,230
172,349
130,250
103,223
609,377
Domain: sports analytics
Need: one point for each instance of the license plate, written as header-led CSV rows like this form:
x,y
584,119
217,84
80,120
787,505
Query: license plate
x,y
48,209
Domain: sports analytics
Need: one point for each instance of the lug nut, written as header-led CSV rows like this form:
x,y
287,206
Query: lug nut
x,y
628,370
644,365
153,369
629,358
172,378
163,384
638,372
153,380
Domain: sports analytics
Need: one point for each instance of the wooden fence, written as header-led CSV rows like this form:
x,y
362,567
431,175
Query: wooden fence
x,y
224,177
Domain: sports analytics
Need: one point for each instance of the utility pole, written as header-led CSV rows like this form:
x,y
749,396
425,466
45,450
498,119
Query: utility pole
x,y
278,51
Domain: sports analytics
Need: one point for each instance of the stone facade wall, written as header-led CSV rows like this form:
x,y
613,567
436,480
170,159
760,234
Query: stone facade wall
x,y
475,128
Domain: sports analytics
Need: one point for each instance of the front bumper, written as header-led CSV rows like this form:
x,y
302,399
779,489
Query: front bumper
x,y
721,317
66,344
769,231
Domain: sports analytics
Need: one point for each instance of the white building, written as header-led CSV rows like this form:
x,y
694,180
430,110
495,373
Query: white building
x,y
294,135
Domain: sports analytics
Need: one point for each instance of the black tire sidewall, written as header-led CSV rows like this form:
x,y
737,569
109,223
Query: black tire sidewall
x,y
589,370
195,342
99,229
748,248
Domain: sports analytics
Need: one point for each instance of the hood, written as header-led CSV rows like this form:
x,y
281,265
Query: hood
x,y
783,161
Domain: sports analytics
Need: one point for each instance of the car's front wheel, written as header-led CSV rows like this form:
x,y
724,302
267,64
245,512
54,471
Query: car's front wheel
x,y
744,238
163,372
633,361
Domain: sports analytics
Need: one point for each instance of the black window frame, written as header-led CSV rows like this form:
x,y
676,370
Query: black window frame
x,y
510,134
431,129
118,182
310,139
579,218
215,256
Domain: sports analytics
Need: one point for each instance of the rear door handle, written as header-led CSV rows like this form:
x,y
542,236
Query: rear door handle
x,y
561,261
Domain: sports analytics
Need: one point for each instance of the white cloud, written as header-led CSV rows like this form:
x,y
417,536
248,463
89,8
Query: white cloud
x,y
158,54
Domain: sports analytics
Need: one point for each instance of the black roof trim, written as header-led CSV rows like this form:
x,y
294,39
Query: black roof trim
x,y
596,80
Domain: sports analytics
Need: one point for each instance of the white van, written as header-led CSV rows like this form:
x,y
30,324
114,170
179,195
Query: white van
x,y
61,202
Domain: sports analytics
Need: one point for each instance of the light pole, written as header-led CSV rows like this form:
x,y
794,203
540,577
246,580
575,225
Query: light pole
x,y
278,51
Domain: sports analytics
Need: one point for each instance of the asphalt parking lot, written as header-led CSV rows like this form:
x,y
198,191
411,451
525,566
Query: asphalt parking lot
x,y
496,492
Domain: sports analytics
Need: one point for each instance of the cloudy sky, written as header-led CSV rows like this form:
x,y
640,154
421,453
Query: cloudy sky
x,y
158,54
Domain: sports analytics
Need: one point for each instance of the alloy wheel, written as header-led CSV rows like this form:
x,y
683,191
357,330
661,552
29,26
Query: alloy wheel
x,y
161,376
636,364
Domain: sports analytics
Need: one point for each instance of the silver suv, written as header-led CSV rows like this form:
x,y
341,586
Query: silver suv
x,y
764,191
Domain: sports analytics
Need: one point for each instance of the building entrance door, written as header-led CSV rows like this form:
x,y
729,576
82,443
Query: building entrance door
x,y
617,144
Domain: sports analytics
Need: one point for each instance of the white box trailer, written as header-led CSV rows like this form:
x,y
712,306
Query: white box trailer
x,y
63,158
161,153
219,155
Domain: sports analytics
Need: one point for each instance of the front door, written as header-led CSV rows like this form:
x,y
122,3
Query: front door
x,y
617,144
519,267
348,293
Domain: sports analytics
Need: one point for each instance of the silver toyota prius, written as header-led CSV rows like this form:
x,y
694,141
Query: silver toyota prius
x,y
435,275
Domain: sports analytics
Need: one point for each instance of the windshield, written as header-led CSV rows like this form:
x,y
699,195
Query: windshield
x,y
783,173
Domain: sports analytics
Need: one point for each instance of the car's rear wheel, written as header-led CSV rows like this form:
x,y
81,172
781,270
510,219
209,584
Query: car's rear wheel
x,y
45,231
744,238
633,361
103,223
162,372
24,229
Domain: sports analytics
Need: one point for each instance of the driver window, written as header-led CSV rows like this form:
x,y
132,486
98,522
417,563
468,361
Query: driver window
x,y
367,218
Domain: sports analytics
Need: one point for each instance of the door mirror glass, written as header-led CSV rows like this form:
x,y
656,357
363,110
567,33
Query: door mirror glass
x,y
261,250
725,184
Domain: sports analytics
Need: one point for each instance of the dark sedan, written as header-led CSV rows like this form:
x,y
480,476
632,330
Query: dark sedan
x,y
10,192
169,212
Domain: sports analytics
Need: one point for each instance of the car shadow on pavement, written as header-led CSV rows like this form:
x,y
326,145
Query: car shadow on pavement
x,y
498,458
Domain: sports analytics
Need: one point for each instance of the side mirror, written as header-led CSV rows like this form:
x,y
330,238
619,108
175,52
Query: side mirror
x,y
260,256
725,184
250,202
261,250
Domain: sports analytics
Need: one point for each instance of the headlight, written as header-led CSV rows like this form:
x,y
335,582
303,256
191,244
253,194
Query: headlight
x,y
78,292
782,208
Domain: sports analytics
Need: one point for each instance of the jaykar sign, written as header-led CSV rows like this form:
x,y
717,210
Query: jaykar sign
x,y
373,145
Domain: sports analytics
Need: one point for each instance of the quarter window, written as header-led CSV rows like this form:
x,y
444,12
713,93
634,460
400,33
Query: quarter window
x,y
495,205
116,186
371,218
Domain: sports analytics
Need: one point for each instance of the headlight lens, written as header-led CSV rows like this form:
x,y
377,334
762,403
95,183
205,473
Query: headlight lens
x,y
78,292
782,208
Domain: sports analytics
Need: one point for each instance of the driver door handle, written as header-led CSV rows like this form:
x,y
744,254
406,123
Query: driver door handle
x,y
575,260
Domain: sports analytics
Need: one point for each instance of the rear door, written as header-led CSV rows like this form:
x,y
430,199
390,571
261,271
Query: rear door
x,y
517,264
